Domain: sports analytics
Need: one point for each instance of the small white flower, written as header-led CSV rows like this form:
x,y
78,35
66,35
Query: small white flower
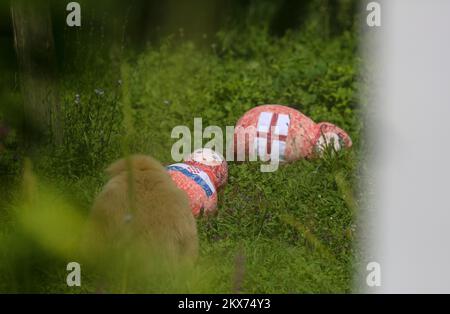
x,y
99,91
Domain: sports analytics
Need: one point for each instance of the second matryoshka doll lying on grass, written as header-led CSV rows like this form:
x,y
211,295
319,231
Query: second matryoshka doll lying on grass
x,y
275,131
200,175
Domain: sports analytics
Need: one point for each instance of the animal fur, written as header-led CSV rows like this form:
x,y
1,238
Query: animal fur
x,y
141,197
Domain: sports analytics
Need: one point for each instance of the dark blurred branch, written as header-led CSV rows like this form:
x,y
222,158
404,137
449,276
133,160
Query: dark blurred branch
x,y
34,45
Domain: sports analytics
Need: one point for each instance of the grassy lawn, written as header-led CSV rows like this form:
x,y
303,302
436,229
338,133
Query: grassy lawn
x,y
291,231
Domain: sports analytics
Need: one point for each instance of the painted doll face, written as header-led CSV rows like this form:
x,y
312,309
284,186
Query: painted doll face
x,y
212,162
329,139
207,157
329,135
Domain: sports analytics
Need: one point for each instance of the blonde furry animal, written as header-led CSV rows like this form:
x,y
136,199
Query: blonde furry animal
x,y
140,198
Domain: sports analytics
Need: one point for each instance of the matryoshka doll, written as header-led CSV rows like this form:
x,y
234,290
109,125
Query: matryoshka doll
x,y
276,131
200,176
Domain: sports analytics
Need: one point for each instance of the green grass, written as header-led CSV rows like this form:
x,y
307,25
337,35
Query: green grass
x,y
291,231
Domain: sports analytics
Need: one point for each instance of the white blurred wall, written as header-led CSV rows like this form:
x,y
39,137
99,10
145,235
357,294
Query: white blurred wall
x,y
411,167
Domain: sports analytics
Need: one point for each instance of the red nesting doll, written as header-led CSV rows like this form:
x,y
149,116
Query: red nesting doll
x,y
200,176
276,131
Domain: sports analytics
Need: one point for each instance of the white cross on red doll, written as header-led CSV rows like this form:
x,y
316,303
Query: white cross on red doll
x,y
272,130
